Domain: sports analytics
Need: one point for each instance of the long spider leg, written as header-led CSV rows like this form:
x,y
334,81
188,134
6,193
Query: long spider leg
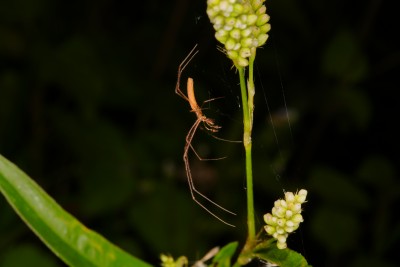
x,y
181,67
200,158
187,59
225,140
192,187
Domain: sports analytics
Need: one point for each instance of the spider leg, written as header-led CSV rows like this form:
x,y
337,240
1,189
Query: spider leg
x,y
193,190
203,159
181,67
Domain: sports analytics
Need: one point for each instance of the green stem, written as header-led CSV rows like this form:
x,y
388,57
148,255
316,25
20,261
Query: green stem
x,y
248,122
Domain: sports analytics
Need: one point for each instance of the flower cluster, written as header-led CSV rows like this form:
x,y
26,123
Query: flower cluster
x,y
168,261
286,217
241,25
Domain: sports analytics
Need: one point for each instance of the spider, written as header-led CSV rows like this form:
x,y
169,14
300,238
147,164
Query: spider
x,y
208,124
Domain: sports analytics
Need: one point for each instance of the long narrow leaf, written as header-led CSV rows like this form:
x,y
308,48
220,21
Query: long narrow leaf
x,y
70,240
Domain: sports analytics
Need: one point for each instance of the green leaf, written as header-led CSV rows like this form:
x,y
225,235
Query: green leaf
x,y
223,257
283,257
71,241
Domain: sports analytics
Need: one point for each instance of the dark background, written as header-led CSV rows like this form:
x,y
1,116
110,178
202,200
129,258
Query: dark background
x,y
88,109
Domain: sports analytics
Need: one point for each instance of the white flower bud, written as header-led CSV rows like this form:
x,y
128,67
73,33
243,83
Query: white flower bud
x,y
280,230
290,223
211,13
296,208
289,229
288,214
224,5
219,20
281,239
289,196
268,219
281,222
301,196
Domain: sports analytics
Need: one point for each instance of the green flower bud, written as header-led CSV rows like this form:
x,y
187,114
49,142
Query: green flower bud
x,y
246,33
281,245
262,38
261,10
235,34
297,218
246,42
230,21
219,21
257,4
269,229
265,28
242,62
252,19
234,55
256,31
245,52
221,36
237,9
261,20
230,44
268,219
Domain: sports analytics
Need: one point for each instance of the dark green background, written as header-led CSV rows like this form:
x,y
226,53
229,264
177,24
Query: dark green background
x,y
88,109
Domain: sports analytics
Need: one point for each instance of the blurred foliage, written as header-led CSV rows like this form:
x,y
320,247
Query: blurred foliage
x,y
85,82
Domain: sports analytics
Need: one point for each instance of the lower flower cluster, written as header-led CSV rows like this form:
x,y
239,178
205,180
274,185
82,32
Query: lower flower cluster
x,y
286,217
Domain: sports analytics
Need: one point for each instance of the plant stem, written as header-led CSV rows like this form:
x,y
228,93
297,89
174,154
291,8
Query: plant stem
x,y
247,102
